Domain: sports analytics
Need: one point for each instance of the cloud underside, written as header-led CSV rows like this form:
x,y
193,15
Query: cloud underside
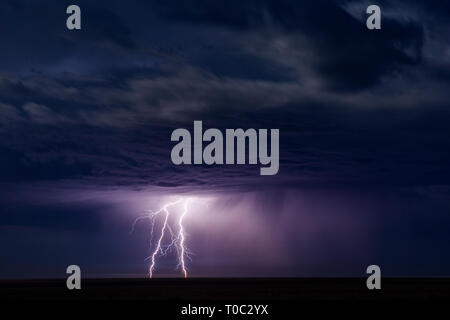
x,y
353,107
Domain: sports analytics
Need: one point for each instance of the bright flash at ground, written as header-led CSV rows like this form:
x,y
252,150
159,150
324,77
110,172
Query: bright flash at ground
x,y
174,231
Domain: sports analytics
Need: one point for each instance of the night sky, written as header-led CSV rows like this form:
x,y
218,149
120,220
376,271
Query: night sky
x,y
364,117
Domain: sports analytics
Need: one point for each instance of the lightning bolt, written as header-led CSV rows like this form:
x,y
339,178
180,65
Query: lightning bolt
x,y
181,236
177,240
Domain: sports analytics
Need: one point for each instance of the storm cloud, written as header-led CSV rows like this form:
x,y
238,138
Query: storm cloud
x,y
86,118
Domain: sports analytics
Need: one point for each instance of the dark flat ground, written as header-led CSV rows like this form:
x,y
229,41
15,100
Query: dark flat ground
x,y
212,290
284,298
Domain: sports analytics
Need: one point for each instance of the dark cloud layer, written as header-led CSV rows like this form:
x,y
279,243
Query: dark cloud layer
x,y
354,107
